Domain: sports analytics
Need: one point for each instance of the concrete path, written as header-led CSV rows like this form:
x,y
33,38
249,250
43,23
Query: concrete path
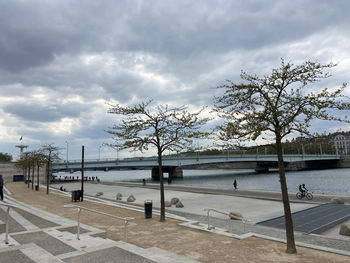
x,y
260,206
256,194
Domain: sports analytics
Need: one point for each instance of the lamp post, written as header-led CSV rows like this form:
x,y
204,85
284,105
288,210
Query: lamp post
x,y
99,152
67,155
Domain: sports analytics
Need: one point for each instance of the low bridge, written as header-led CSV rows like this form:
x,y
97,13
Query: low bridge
x,y
174,165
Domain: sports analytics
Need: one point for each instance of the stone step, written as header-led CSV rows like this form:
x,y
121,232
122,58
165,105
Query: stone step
x,y
155,254
28,253
160,255
111,254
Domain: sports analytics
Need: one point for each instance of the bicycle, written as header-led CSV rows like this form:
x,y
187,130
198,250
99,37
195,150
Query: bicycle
x,y
308,195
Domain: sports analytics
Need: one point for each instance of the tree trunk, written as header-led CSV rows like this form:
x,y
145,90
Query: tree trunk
x,y
48,174
287,213
161,184
37,178
33,172
28,180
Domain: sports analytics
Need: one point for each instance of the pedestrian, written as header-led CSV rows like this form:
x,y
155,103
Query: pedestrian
x,y
1,187
235,184
143,182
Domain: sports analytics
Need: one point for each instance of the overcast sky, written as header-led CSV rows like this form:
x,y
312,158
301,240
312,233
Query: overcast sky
x,y
61,61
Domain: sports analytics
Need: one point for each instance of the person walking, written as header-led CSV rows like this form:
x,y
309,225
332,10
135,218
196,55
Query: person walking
x,y
1,187
235,184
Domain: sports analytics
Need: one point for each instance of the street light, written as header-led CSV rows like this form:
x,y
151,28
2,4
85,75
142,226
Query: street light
x,y
67,151
67,156
99,152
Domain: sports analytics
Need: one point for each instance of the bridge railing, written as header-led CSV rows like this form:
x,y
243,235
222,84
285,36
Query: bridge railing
x,y
273,157
230,219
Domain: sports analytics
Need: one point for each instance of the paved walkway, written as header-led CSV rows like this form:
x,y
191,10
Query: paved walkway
x,y
42,237
256,194
41,226
265,207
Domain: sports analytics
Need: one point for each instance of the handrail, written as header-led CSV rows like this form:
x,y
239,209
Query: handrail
x,y
125,219
7,220
224,213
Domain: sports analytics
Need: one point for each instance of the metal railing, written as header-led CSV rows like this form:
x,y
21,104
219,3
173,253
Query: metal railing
x,y
125,219
229,219
7,221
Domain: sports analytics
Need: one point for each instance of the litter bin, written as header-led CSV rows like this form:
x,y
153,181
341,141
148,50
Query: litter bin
x,y
37,188
80,195
148,209
76,195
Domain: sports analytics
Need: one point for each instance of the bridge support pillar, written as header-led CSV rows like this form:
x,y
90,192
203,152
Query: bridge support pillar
x,y
261,169
155,173
173,172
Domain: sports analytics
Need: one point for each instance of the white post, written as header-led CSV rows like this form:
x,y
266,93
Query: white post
x,y
78,229
208,219
125,224
7,225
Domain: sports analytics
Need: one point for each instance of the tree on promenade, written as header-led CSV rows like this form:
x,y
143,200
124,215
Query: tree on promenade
x,y
25,164
275,106
51,154
39,160
162,127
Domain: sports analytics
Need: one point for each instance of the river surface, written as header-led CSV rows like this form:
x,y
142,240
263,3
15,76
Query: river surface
x,y
330,181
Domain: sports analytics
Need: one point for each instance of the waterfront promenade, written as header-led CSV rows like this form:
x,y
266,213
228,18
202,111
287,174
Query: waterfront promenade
x,y
178,236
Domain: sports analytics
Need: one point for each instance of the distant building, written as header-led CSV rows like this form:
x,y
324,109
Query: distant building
x,y
342,142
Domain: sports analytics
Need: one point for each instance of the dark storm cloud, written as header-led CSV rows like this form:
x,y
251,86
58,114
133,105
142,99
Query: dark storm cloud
x,y
181,29
41,113
34,32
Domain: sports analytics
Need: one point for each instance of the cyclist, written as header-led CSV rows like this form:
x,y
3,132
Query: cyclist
x,y
302,189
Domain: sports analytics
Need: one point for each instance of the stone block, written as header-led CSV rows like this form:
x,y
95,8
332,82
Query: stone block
x,y
119,196
235,216
131,199
344,229
337,200
174,200
179,204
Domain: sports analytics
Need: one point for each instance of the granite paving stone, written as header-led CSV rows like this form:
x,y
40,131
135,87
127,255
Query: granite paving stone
x,y
45,241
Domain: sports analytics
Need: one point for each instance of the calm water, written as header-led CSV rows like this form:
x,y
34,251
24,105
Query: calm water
x,y
332,181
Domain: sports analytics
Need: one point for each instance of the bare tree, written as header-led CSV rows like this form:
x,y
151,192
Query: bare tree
x,y
277,105
25,163
162,127
51,154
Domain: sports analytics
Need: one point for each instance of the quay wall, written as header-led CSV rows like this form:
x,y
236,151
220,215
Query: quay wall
x,y
344,161
9,169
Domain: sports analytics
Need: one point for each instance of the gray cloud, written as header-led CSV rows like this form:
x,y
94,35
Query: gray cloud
x,y
42,113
